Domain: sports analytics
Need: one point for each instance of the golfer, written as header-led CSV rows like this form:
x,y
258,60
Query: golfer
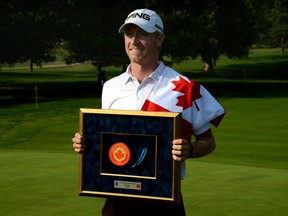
x,y
149,85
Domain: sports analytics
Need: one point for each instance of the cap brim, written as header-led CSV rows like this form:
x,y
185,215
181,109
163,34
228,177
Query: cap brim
x,y
145,28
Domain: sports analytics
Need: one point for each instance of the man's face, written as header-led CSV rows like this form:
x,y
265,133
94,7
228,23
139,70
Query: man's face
x,y
142,47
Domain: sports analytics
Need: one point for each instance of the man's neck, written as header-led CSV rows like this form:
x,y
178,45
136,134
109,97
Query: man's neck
x,y
140,72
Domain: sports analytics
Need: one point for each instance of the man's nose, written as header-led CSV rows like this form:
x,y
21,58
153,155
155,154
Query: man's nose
x,y
135,38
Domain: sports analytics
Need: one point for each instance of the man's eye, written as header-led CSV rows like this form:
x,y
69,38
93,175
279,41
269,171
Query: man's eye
x,y
139,34
142,34
128,34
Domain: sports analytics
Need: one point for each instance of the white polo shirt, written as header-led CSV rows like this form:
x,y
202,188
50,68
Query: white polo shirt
x,y
164,90
125,92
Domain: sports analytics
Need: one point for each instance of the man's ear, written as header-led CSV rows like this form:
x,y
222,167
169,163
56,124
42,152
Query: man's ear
x,y
160,39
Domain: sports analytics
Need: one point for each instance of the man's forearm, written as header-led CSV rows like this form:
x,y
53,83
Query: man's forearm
x,y
204,145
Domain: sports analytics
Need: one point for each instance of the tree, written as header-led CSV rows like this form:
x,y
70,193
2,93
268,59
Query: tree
x,y
279,20
208,28
189,27
91,34
233,34
88,30
28,31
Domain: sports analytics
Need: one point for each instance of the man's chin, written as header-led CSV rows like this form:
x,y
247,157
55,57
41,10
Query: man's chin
x,y
136,59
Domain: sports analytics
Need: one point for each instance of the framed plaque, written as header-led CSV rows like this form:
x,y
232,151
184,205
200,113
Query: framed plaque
x,y
128,154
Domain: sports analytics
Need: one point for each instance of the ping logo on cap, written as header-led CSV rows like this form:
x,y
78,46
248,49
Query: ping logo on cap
x,y
142,15
146,19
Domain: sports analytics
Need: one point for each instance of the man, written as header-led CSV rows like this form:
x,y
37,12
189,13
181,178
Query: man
x,y
149,85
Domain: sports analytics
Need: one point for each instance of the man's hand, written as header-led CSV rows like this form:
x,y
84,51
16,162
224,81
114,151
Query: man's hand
x,y
180,149
78,143
204,145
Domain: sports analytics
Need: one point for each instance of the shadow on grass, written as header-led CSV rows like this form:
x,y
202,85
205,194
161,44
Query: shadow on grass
x,y
47,91
249,79
247,71
245,79
247,89
53,91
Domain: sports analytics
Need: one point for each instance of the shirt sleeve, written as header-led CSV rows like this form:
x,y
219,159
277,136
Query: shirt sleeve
x,y
205,111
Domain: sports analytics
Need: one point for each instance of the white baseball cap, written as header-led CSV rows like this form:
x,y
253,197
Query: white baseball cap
x,y
146,19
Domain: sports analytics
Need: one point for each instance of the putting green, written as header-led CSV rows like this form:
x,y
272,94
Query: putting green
x,y
218,189
43,183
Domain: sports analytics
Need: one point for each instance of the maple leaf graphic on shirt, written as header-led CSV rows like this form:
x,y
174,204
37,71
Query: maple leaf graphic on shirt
x,y
190,90
190,93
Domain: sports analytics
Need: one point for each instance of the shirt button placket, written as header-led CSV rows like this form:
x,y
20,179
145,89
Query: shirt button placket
x,y
139,97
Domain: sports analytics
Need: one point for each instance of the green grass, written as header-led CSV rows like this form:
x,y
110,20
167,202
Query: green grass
x,y
218,189
254,133
24,126
246,175
42,183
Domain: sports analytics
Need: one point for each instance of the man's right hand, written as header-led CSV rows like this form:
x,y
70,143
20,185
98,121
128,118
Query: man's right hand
x,y
78,143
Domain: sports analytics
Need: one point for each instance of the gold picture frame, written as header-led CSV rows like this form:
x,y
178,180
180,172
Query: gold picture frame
x,y
128,154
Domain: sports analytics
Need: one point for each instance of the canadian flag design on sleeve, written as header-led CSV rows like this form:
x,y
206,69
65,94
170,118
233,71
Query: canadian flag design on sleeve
x,y
180,94
174,95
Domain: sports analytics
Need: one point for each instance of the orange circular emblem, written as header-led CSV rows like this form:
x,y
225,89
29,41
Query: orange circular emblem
x,y
119,154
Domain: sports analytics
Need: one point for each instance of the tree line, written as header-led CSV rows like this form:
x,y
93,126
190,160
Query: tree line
x,y
88,30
